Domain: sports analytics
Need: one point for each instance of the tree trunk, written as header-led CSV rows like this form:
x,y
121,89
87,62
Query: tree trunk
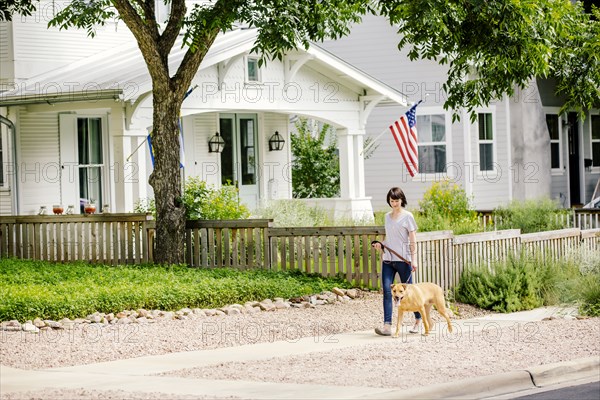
x,y
166,177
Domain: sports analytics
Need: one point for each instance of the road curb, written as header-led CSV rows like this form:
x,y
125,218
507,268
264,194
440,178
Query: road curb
x,y
491,385
553,374
503,383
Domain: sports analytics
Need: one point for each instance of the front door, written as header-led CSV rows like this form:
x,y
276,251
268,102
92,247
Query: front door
x,y
573,148
239,159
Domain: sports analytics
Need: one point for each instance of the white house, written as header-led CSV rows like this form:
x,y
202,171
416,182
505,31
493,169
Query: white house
x,y
517,148
75,113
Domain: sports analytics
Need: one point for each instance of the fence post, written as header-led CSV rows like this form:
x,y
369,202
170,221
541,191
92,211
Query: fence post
x,y
267,245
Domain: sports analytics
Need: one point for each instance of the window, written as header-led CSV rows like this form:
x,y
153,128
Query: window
x,y
553,123
486,142
90,160
596,140
252,70
431,130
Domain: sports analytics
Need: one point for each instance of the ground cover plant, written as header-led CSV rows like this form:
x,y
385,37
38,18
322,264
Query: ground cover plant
x,y
30,289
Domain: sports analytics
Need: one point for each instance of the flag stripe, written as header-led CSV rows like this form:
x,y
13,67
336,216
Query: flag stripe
x,y
400,146
404,132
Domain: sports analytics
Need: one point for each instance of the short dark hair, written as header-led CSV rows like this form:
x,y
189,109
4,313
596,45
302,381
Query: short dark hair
x,y
397,194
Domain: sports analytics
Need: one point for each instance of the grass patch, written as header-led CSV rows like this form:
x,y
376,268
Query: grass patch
x,y
30,289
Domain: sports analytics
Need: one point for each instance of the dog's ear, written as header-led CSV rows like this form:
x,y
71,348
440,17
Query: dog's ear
x,y
404,285
392,285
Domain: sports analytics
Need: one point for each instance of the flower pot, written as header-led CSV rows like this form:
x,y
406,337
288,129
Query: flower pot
x,y
89,208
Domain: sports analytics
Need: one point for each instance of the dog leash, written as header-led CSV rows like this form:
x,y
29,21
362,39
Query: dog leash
x,y
394,252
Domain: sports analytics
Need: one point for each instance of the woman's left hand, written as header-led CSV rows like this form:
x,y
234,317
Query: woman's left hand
x,y
414,267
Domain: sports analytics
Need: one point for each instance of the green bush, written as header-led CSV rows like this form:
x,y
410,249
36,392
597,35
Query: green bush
x,y
531,216
203,201
526,281
33,289
514,285
290,213
445,206
590,295
315,164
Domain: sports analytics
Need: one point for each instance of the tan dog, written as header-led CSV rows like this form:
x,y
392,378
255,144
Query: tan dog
x,y
419,297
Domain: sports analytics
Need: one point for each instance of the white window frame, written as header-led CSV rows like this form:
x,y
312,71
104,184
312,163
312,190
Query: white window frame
x,y
247,79
449,173
561,146
489,173
3,159
596,113
71,147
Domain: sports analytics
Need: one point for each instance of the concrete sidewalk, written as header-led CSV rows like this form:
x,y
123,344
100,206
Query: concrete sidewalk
x,y
133,375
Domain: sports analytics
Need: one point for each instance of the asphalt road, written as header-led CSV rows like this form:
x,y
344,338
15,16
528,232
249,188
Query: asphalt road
x,y
587,391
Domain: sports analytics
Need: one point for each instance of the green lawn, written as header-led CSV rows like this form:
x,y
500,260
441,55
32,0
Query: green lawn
x,y
30,289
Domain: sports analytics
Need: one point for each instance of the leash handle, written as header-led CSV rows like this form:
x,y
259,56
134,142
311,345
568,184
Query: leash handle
x,y
384,247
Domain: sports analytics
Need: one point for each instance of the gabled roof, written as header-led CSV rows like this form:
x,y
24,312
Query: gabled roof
x,y
121,73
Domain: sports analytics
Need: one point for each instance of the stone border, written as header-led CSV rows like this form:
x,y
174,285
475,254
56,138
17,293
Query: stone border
x,y
142,316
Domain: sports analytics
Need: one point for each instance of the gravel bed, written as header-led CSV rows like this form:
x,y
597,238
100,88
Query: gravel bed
x,y
91,343
396,363
84,394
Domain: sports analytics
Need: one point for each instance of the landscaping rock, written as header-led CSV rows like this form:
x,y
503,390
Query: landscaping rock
x,y
267,306
352,293
53,324
29,327
39,323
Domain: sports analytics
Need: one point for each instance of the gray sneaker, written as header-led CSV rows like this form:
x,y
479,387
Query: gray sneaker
x,y
385,331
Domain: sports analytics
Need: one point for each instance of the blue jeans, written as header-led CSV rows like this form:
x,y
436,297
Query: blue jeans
x,y
388,273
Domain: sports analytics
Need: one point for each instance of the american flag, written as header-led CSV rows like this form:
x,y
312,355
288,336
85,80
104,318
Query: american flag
x,y
404,132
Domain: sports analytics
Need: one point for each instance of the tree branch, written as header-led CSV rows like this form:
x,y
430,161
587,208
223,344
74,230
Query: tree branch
x,y
169,36
146,35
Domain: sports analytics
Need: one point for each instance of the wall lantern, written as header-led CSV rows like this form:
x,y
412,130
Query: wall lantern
x,y
276,142
216,144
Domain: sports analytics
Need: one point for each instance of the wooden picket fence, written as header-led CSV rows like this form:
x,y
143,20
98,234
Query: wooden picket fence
x,y
330,251
103,238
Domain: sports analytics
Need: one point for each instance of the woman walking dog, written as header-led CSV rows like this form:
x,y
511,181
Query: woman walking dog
x,y
400,243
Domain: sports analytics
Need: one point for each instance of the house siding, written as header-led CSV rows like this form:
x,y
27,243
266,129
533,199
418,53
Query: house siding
x,y
5,202
205,165
39,169
275,171
39,48
6,56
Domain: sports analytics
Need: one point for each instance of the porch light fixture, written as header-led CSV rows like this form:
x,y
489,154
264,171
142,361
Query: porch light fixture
x,y
216,144
276,142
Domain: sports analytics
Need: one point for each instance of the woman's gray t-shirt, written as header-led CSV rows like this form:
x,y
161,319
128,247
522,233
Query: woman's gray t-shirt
x,y
396,235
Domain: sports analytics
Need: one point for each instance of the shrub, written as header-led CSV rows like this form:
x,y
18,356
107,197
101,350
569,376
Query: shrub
x,y
315,164
203,201
289,213
445,206
508,286
531,216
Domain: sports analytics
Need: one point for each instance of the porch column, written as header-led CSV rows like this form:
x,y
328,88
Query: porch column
x,y
353,203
